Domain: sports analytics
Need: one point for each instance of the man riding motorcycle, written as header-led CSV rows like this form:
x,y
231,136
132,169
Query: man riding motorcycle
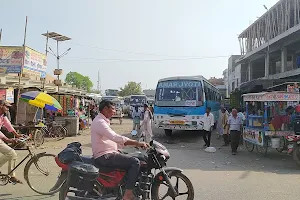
x,y
105,145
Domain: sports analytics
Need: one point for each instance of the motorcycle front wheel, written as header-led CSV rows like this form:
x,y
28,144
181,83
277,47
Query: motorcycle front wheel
x,y
182,185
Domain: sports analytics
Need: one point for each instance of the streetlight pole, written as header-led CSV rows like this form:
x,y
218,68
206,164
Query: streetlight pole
x,y
58,38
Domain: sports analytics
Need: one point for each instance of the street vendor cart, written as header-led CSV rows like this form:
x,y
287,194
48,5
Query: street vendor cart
x,y
119,109
270,122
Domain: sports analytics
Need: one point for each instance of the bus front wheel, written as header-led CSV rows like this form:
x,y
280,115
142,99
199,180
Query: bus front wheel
x,y
168,132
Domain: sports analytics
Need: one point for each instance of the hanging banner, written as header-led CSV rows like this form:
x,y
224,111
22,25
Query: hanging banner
x,y
35,63
10,95
10,59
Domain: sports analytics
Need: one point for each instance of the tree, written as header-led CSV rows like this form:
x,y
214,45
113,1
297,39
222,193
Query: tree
x,y
131,88
79,81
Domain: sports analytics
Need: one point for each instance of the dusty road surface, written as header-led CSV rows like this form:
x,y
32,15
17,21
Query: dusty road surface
x,y
215,176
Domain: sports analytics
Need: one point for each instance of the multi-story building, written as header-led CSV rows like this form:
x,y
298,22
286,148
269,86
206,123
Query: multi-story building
x,y
234,76
270,49
225,78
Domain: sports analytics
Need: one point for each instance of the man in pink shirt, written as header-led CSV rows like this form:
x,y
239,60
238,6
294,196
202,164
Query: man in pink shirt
x,y
105,144
9,154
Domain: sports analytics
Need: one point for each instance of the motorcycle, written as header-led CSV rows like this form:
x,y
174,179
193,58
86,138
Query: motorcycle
x,y
109,183
293,147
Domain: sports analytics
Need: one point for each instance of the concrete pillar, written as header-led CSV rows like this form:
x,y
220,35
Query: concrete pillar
x,y
250,69
283,59
267,64
294,63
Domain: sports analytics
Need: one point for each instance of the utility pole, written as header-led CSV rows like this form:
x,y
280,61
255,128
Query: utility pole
x,y
98,82
20,74
0,35
58,38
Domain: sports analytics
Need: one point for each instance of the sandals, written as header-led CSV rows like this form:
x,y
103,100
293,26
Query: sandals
x,y
14,180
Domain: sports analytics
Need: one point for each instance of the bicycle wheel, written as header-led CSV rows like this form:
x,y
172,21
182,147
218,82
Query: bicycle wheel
x,y
282,145
249,146
263,150
59,132
41,173
38,138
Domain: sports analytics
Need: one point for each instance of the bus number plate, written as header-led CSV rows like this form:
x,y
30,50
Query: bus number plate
x,y
176,122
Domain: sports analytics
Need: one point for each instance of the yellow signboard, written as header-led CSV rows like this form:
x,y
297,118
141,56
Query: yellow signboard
x,y
35,63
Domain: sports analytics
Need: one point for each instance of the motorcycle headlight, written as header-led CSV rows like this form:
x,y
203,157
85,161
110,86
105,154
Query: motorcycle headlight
x,y
163,157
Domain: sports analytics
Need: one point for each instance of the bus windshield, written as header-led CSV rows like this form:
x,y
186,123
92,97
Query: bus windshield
x,y
179,93
138,100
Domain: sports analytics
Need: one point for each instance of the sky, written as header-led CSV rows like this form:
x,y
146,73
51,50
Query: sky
x,y
133,40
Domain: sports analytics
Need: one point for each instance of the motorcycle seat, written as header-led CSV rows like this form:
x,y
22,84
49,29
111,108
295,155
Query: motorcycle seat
x,y
91,160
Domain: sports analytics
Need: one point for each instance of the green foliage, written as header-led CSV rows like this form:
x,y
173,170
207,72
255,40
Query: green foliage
x,y
79,81
131,88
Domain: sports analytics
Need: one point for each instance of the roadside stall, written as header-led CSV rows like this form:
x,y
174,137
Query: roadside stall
x,y
39,100
119,109
67,117
270,122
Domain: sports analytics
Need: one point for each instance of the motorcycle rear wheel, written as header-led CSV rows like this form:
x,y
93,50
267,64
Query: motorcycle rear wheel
x,y
190,193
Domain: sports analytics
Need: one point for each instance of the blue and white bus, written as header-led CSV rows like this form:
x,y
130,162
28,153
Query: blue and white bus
x,y
181,102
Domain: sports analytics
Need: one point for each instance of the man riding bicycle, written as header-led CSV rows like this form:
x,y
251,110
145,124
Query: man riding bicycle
x,y
9,154
105,145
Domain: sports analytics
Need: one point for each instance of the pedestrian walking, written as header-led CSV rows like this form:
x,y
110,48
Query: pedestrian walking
x,y
224,120
235,124
219,125
146,124
208,123
136,116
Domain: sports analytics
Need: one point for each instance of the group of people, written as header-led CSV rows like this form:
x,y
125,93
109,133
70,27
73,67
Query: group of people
x,y
142,122
230,127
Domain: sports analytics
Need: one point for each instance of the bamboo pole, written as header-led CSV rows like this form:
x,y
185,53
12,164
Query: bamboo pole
x,y
20,74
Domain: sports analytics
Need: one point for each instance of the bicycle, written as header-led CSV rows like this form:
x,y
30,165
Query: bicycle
x,y
34,162
31,129
54,130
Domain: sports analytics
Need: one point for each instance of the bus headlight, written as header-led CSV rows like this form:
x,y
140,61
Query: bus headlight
x,y
198,117
193,117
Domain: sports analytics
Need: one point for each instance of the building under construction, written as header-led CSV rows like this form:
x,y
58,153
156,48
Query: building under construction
x,y
270,48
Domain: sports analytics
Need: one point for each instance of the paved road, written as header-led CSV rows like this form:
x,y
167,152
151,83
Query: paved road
x,y
216,176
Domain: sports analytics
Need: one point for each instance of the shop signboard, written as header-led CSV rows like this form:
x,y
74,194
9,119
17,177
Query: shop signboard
x,y
35,63
253,136
11,59
272,96
10,95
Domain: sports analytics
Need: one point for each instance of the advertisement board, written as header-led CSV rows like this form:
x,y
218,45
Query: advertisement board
x,y
10,59
253,136
10,95
35,63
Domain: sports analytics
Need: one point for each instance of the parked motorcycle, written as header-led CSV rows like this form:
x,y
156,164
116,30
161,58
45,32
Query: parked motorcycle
x,y
83,179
